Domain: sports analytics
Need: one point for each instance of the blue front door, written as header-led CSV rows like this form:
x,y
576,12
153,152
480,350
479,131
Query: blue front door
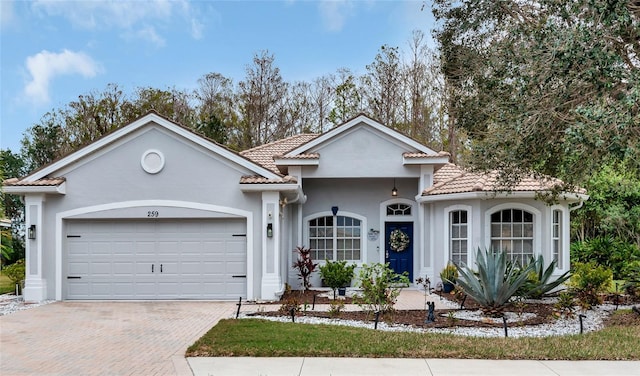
x,y
400,260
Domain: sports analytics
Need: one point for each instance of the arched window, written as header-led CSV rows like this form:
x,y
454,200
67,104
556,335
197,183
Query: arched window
x,y
458,235
512,231
335,238
398,209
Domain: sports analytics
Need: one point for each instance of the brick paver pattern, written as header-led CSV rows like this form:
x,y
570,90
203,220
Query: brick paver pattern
x,y
105,338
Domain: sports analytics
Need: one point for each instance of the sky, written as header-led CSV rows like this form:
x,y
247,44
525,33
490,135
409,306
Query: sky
x,y
51,52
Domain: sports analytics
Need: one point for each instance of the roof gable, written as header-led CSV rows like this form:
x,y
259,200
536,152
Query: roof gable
x,y
151,119
360,121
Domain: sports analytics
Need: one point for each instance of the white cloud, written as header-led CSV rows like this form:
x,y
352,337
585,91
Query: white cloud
x,y
45,66
335,13
140,18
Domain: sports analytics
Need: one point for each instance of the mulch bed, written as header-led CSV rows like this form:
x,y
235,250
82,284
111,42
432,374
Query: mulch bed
x,y
544,313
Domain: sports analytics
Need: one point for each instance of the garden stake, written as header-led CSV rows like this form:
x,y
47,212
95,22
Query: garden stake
x,y
581,316
504,320
293,314
313,306
462,302
239,305
617,297
375,324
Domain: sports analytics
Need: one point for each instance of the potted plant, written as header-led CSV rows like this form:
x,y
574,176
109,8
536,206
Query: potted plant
x,y
337,275
448,275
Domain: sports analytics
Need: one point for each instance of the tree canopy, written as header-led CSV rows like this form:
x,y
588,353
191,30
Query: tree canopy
x,y
549,86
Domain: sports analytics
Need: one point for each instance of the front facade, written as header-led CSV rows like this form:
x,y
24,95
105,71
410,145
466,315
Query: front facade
x,y
154,211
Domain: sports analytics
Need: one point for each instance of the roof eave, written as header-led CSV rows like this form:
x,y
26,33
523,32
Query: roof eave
x,y
486,195
60,189
425,161
268,187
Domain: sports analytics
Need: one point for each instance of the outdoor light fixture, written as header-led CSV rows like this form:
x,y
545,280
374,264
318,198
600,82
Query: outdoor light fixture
x,y
32,232
269,230
394,191
334,210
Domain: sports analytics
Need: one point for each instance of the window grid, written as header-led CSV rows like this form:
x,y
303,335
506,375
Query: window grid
x,y
557,238
338,239
458,237
398,209
512,231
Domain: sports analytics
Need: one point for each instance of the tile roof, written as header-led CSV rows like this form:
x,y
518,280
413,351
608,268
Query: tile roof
x,y
299,156
263,154
44,182
253,179
453,179
425,155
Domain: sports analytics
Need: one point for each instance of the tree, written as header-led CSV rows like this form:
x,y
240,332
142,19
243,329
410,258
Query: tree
x,y
547,86
383,86
217,116
321,97
347,100
261,97
44,142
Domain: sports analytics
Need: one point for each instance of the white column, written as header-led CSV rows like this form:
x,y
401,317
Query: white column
x,y
272,286
35,288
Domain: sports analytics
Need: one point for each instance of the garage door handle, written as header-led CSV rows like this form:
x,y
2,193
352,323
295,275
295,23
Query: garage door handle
x,y
160,268
73,277
238,276
151,268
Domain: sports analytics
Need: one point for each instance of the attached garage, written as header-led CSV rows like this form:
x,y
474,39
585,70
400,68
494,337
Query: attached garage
x,y
155,259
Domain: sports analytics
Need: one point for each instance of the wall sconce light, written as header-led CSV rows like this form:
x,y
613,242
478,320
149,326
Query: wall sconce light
x,y
394,191
334,210
32,232
269,230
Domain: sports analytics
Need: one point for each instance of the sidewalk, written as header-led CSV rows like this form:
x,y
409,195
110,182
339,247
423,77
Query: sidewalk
x,y
427,367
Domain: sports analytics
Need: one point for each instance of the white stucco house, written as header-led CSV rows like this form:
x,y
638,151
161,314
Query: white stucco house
x,y
155,211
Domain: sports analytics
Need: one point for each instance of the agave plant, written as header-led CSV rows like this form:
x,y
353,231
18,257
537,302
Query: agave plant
x,y
539,282
494,282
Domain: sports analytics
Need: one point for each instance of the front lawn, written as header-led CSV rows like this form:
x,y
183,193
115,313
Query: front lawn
x,y
254,337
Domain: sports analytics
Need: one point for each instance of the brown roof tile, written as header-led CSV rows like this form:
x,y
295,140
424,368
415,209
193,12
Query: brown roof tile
x,y
44,182
262,180
263,154
299,156
453,179
425,155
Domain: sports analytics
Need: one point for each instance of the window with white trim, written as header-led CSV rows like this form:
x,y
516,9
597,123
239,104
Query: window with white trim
x,y
398,209
556,238
458,236
335,238
512,231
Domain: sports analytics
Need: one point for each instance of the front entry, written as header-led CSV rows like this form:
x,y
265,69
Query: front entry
x,y
400,259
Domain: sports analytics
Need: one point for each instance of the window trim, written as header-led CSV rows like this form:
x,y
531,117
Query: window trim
x,y
341,213
564,238
447,229
537,225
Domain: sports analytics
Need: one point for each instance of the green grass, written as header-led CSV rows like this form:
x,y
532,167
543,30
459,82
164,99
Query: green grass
x,y
253,337
6,285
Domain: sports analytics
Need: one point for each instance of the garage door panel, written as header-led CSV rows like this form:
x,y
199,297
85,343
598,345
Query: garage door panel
x,y
121,259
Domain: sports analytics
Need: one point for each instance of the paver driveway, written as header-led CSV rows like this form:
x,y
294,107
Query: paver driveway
x,y
105,338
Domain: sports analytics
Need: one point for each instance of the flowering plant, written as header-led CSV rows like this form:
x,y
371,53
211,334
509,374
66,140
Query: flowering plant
x,y
399,240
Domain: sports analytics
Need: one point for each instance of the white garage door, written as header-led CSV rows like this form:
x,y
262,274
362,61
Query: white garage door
x,y
160,259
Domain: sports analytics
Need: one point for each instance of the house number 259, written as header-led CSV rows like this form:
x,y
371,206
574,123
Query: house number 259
x,y
153,214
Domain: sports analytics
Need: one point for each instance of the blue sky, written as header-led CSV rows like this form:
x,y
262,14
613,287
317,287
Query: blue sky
x,y
53,51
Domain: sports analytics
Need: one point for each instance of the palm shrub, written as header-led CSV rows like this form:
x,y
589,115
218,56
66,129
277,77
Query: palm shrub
x,y
539,282
494,282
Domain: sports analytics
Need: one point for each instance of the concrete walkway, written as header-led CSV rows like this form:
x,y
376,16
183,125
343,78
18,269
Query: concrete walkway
x,y
404,367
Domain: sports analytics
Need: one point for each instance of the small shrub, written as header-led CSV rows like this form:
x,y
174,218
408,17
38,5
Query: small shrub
x,y
565,305
588,282
380,287
15,272
337,274
290,303
632,285
335,308
449,274
305,266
